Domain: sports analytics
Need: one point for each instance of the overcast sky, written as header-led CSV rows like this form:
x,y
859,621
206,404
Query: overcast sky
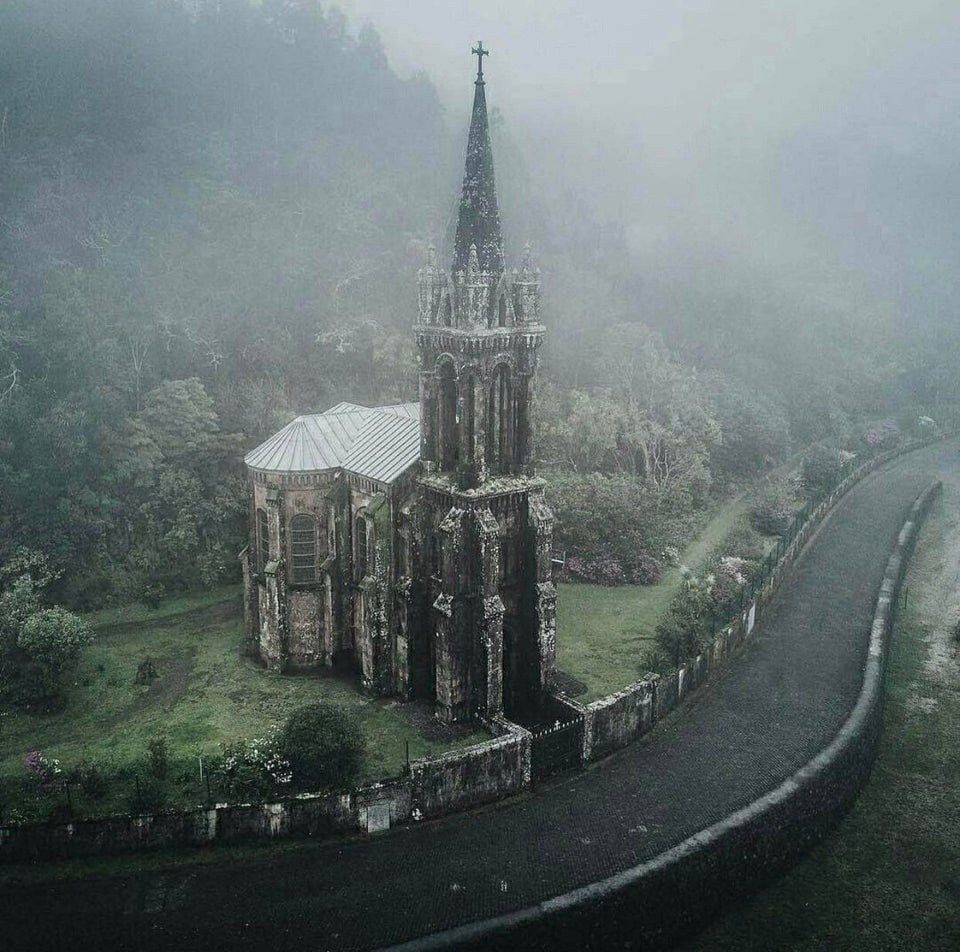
x,y
737,118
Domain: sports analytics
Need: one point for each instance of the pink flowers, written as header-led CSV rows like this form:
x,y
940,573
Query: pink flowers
x,y
882,433
45,769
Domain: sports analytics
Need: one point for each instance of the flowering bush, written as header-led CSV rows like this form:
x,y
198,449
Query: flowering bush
x,y
730,575
646,569
882,434
252,768
596,571
773,512
642,569
670,556
44,768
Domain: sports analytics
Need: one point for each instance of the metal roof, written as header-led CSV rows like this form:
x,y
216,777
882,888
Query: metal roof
x,y
376,442
385,447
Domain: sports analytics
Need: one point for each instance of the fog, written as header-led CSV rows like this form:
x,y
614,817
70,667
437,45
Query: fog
x,y
243,423
777,136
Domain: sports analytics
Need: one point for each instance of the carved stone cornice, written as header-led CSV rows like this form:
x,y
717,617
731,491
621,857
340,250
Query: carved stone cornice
x,y
478,341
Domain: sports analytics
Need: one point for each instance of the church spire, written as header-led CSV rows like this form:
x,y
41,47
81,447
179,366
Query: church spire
x,y
479,221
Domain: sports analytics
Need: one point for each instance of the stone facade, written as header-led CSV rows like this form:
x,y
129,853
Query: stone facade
x,y
430,577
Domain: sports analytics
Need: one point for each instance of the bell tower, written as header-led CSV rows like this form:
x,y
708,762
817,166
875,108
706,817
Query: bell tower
x,y
486,529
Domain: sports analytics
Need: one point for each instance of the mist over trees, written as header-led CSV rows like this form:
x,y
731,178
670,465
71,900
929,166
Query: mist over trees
x,y
211,215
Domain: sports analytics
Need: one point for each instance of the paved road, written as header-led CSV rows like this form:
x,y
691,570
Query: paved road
x,y
774,706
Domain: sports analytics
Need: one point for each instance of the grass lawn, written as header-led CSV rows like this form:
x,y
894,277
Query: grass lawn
x,y
603,633
206,694
889,877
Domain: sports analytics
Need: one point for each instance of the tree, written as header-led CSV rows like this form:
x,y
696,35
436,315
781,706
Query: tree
x,y
323,745
51,640
755,431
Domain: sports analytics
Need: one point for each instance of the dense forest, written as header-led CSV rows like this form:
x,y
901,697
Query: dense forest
x,y
211,216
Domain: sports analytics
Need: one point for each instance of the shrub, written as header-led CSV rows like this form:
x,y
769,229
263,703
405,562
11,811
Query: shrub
x,y
773,512
657,661
601,517
147,796
821,470
770,518
52,638
670,556
729,577
324,746
687,626
646,569
92,779
882,436
42,767
250,769
157,761
741,542
597,571
146,672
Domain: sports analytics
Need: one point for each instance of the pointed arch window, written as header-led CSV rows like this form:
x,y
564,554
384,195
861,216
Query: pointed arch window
x,y
470,414
500,421
449,448
361,542
263,540
303,549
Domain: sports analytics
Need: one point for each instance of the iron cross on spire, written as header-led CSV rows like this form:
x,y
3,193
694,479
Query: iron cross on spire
x,y
480,53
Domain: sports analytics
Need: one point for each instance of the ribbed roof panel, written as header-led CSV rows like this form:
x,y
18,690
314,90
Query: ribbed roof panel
x,y
376,442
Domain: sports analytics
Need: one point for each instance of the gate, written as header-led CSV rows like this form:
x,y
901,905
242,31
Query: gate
x,y
556,747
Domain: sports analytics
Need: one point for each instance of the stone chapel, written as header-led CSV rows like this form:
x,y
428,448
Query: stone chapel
x,y
412,542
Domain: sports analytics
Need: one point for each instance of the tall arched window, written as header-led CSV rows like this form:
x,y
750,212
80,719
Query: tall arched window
x,y
303,549
361,544
470,413
263,540
449,445
500,421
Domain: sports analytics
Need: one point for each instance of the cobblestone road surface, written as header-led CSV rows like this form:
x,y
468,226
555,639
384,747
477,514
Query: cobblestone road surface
x,y
772,708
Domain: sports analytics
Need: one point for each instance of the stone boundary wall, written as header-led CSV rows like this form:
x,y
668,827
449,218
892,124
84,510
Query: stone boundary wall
x,y
614,721
476,775
490,770
735,856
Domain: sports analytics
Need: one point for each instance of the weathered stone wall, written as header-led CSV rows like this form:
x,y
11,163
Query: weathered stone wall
x,y
464,778
620,718
305,627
